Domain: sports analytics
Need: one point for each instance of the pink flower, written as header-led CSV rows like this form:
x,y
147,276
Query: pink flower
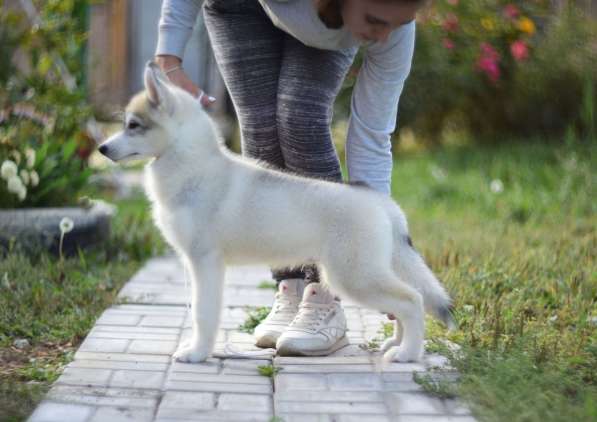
x,y
488,62
519,50
511,11
448,44
490,67
488,51
451,23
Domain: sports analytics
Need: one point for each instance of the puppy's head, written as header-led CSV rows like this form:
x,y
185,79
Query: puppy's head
x,y
154,119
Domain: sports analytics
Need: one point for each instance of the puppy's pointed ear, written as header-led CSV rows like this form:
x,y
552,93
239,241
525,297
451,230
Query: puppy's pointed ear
x,y
156,83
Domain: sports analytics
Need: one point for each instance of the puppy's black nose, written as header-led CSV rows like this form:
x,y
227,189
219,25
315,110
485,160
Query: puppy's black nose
x,y
103,149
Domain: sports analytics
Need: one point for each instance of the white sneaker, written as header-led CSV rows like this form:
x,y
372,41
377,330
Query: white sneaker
x,y
318,329
283,312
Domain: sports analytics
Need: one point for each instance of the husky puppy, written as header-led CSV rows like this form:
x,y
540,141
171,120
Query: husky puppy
x,y
216,209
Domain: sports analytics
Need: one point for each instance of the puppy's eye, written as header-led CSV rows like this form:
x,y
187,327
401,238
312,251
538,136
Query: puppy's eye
x,y
133,125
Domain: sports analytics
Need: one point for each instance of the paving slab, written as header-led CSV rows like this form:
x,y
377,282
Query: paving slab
x,y
123,370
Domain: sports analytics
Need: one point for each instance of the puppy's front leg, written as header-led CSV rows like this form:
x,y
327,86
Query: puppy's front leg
x,y
395,339
207,283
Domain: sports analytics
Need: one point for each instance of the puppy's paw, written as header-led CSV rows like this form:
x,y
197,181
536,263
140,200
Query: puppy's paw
x,y
189,353
389,343
401,354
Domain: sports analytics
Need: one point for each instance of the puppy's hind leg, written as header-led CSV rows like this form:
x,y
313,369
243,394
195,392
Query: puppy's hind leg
x,y
207,283
384,291
407,305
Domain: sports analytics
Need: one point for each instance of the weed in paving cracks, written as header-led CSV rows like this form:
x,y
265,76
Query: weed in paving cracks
x,y
254,317
267,284
269,371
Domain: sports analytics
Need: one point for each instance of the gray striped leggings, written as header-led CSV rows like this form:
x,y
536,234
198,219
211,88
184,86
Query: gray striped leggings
x,y
283,93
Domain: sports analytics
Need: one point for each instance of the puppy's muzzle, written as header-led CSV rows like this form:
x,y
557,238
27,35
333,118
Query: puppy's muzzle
x,y
114,154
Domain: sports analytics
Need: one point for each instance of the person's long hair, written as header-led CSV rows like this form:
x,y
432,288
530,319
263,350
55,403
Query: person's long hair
x,y
330,11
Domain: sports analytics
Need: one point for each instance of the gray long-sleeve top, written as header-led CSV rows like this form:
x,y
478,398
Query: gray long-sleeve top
x,y
374,104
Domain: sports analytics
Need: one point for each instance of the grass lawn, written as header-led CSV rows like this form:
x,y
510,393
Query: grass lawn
x,y
511,232
54,304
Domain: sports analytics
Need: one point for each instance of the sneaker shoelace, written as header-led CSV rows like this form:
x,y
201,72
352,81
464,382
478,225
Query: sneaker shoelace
x,y
310,315
284,304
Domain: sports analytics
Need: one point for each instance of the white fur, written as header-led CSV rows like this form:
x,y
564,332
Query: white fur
x,y
217,209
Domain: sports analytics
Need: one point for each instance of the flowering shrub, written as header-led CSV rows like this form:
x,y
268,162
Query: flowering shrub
x,y
43,145
51,173
501,67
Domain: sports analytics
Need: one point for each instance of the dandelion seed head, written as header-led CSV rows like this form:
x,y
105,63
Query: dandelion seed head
x,y
438,174
496,186
66,225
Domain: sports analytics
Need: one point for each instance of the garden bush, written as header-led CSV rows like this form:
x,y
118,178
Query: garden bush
x,y
502,67
43,112
499,69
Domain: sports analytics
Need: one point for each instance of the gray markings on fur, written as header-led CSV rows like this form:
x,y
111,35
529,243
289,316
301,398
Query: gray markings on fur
x,y
359,184
446,314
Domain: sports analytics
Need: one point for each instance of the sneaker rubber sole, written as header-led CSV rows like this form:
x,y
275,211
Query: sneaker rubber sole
x,y
289,351
267,340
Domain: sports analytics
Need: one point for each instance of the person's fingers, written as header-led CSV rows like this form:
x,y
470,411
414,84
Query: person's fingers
x,y
180,79
193,89
190,87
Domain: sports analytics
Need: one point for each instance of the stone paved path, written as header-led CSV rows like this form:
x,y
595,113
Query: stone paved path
x,y
123,370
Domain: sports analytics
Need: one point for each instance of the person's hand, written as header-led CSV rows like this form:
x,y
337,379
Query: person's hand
x,y
179,78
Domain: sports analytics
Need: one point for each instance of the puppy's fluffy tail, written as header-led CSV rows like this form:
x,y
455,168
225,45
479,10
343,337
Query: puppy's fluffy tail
x,y
412,269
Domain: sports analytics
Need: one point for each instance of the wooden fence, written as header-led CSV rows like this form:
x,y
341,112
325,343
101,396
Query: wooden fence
x,y
123,36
